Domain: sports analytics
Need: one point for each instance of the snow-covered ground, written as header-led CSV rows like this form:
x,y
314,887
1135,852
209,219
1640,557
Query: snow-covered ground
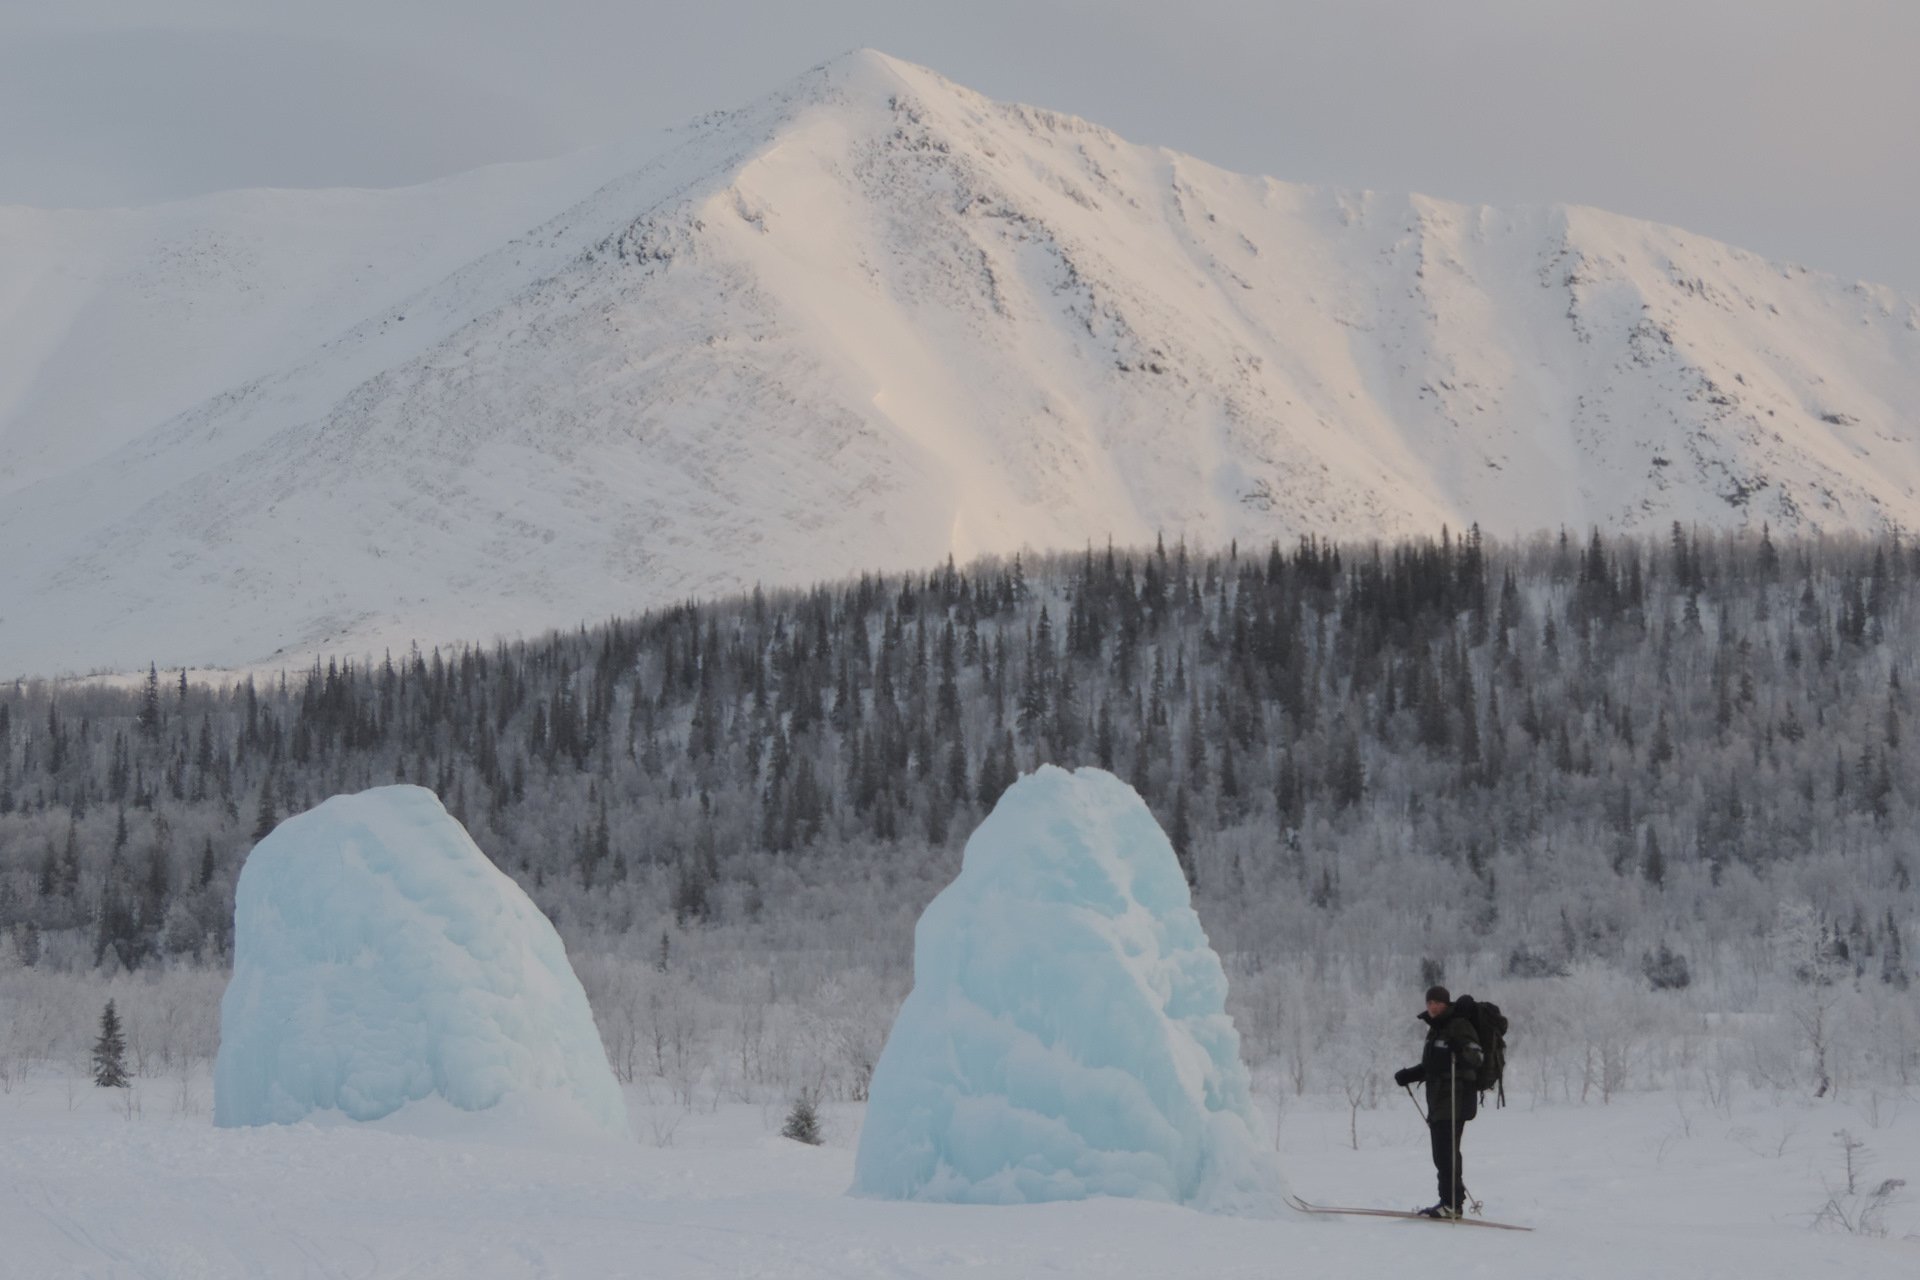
x,y
1652,1185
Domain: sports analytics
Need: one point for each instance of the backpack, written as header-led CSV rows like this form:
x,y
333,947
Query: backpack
x,y
1490,1028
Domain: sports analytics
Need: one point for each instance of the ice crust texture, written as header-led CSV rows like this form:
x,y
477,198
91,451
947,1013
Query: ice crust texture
x,y
380,959
1067,1033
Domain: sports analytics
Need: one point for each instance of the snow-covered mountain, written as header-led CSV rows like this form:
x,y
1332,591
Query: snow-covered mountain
x,y
865,322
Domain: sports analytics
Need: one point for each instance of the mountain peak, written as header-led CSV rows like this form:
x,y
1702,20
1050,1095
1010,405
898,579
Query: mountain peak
x,y
860,73
869,61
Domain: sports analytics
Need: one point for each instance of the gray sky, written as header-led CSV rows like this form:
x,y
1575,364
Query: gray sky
x,y
1785,126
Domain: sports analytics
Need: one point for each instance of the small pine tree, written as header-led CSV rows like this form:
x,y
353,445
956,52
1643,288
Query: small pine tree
x,y
690,901
265,819
1181,838
803,1122
110,1052
1349,775
1666,969
149,718
1893,967
1654,866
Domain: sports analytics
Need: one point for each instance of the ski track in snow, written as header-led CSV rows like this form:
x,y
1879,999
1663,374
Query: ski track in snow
x,y
1658,1185
868,320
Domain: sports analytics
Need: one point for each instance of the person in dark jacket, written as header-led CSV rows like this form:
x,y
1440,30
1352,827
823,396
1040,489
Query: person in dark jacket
x,y
1450,1068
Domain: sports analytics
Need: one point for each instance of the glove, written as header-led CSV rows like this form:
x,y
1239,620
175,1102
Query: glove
x,y
1404,1076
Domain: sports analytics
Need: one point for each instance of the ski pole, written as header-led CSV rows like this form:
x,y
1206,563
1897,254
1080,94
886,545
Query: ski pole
x,y
1416,1101
1453,1123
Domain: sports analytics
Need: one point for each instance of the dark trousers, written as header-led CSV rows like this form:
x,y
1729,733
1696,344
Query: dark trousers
x,y
1450,1173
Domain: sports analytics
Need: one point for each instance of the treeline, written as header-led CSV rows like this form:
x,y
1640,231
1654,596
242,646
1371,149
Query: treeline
x,y
1668,756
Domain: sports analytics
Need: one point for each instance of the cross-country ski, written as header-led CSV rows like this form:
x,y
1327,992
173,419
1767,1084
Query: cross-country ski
x,y
1305,1207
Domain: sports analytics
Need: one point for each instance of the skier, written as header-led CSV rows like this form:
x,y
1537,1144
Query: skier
x,y
1450,1066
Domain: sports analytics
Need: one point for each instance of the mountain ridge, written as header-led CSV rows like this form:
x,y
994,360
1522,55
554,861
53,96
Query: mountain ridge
x,y
873,319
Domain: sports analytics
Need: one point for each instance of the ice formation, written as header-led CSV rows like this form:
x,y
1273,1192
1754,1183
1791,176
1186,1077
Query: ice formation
x,y
380,959
1066,1035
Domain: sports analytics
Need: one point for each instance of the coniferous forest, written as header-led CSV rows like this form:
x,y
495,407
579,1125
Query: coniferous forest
x,y
1658,796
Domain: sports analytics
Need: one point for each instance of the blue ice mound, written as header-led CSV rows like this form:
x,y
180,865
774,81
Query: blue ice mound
x,y
380,960
1067,1033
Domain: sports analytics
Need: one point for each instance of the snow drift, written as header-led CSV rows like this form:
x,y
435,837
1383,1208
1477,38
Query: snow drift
x,y
1066,1035
381,960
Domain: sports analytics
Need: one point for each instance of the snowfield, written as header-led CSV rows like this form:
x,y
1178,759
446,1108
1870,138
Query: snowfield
x,y
867,321
1654,1185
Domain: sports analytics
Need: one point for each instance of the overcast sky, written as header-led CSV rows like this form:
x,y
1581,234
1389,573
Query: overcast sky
x,y
1786,126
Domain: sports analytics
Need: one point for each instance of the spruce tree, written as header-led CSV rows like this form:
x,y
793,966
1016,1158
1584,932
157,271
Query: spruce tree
x,y
149,718
1349,775
110,1052
1180,836
803,1122
49,881
1893,968
265,818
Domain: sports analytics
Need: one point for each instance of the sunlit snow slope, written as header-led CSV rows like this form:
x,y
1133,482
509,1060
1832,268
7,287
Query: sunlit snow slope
x,y
867,321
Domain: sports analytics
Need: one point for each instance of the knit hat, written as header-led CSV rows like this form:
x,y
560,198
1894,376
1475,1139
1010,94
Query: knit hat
x,y
1438,994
